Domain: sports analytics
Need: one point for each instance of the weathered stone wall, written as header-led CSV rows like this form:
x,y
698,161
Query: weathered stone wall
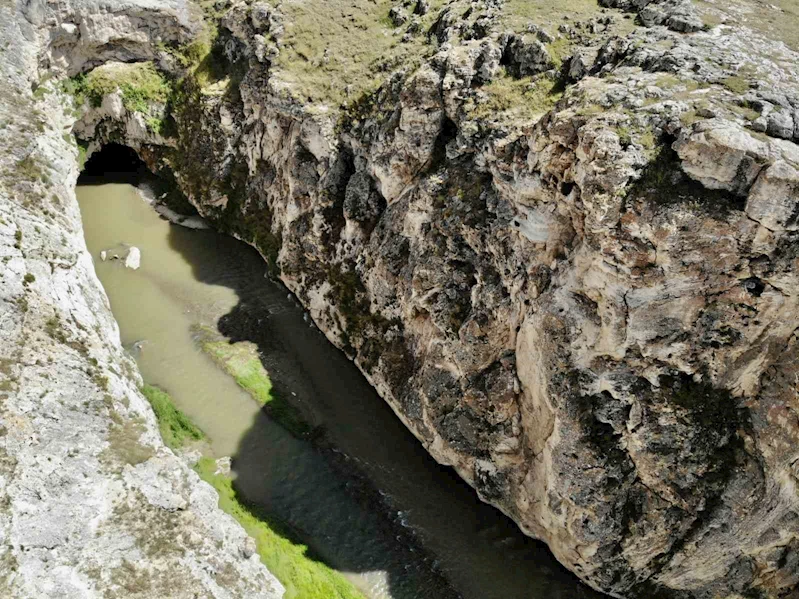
x,y
590,313
93,503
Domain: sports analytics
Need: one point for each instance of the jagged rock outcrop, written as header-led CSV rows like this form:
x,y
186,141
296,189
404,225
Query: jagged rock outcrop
x,y
571,273
93,504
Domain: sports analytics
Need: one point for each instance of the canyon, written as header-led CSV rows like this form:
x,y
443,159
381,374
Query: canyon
x,y
560,241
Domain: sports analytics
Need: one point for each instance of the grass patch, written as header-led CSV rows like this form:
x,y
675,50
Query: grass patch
x,y
737,85
242,362
777,19
527,98
83,151
140,83
518,13
176,428
335,50
303,577
144,89
746,112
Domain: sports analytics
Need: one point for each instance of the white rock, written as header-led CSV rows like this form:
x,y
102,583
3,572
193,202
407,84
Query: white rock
x,y
223,466
86,483
133,259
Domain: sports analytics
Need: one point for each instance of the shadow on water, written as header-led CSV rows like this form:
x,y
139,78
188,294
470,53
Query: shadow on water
x,y
367,497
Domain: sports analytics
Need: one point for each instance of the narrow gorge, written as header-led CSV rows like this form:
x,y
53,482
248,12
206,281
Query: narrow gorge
x,y
560,241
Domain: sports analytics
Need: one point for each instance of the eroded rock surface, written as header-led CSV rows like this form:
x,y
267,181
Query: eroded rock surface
x,y
565,254
93,504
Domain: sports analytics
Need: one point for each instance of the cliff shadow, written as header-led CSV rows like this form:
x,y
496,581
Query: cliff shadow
x,y
370,479
361,492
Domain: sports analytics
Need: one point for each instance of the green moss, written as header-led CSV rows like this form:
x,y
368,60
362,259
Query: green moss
x,y
141,84
83,149
303,577
29,278
242,362
176,428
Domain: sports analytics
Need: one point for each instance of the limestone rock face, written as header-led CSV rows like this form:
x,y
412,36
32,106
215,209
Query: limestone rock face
x,y
77,34
591,315
587,305
93,503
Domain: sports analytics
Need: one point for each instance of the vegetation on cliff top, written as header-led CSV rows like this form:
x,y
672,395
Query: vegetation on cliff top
x,y
143,88
519,99
333,51
778,19
141,85
545,13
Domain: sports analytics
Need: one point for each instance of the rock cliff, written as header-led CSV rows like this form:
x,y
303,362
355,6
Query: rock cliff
x,y
560,240
93,504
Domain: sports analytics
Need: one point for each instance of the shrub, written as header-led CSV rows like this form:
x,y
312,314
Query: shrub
x,y
140,83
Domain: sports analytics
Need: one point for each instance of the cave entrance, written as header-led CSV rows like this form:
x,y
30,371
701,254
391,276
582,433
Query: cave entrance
x,y
114,163
118,163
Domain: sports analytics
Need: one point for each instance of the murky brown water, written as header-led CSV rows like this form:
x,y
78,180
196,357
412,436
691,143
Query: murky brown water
x,y
365,497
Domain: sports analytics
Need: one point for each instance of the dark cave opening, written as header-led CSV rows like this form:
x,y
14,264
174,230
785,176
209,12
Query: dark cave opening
x,y
114,163
118,163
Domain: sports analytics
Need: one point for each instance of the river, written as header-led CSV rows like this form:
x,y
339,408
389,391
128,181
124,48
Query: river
x,y
364,495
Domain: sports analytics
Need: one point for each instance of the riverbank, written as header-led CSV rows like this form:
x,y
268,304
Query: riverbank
x,y
301,576
170,311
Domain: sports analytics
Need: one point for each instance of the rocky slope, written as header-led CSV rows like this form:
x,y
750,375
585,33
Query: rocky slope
x,y
560,240
93,504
